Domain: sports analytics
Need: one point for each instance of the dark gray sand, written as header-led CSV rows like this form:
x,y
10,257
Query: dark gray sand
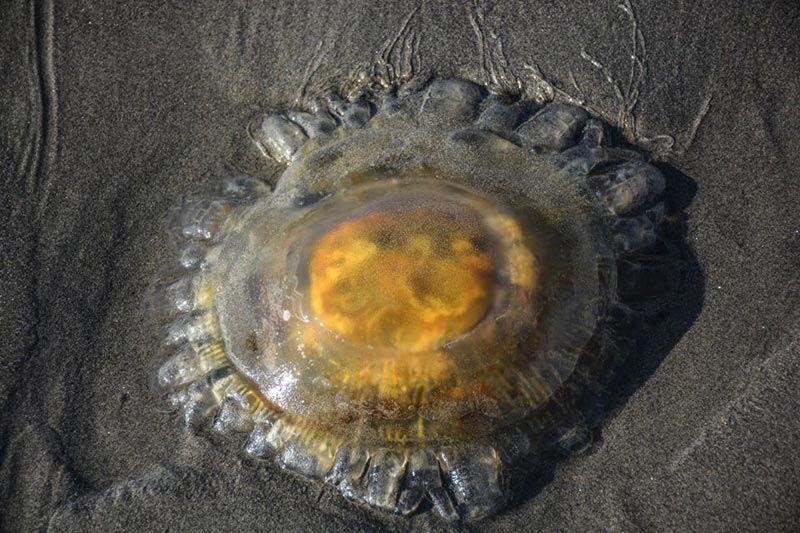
x,y
109,114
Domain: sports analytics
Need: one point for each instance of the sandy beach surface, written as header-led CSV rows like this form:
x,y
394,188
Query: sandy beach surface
x,y
110,113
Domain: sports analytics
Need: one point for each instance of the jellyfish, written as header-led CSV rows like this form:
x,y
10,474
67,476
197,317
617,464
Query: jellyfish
x,y
426,297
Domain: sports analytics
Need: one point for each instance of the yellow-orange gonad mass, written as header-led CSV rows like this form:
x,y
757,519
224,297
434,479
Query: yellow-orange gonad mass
x,y
408,279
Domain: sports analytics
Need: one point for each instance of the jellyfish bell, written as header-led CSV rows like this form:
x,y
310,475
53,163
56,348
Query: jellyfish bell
x,y
400,316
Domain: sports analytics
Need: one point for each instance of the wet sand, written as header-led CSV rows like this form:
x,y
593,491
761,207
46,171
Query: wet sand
x,y
110,114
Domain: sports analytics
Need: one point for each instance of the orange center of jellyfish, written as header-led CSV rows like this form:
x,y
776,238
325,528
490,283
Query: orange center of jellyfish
x,y
409,277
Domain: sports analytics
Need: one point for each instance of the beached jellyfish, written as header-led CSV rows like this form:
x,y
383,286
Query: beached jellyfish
x,y
435,285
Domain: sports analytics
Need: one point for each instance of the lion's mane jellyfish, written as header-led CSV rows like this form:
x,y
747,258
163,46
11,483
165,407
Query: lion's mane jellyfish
x,y
426,298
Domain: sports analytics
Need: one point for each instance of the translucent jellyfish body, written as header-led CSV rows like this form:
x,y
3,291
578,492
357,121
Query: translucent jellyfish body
x,y
422,300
